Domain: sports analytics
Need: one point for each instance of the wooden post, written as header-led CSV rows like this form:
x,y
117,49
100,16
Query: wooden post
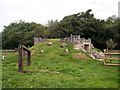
x,y
20,58
28,58
104,58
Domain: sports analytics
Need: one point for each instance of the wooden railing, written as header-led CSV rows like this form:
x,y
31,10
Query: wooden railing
x,y
4,52
112,57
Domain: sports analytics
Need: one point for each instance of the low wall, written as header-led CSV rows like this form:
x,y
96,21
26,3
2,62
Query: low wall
x,y
75,39
39,39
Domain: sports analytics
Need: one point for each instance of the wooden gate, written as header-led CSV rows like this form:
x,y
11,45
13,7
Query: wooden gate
x,y
21,50
112,57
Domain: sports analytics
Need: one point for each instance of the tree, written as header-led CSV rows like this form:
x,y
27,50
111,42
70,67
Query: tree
x,y
82,23
21,32
53,29
110,44
117,40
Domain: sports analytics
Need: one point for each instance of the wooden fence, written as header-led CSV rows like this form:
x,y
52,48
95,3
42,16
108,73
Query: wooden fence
x,y
112,57
4,52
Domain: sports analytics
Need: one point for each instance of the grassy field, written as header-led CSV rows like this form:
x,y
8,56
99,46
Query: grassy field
x,y
74,72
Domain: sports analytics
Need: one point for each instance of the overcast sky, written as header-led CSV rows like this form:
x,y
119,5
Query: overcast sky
x,y
40,11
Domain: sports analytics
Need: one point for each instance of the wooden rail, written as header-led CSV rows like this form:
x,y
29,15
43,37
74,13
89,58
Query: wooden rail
x,y
109,53
8,53
4,52
40,72
112,58
8,50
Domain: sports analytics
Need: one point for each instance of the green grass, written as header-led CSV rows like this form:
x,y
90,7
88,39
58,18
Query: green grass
x,y
74,73
97,49
54,39
114,55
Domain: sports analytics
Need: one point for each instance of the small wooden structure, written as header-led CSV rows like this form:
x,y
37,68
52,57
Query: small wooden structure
x,y
110,55
21,50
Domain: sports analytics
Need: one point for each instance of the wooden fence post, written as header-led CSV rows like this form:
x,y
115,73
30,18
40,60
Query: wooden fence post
x,y
20,58
29,58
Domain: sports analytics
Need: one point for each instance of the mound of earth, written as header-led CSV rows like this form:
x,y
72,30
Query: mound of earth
x,y
80,56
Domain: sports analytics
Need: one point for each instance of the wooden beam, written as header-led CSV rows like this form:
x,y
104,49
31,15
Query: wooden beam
x,y
116,62
9,53
40,72
112,64
8,50
25,48
111,53
113,58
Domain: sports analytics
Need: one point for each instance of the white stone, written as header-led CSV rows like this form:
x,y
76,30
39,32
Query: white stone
x,y
42,51
50,43
3,57
66,51
63,45
92,56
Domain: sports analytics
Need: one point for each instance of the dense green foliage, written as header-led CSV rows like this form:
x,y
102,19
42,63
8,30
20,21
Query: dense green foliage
x,y
110,44
74,72
21,33
83,23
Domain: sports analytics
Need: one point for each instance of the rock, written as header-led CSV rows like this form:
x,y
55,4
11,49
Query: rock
x,y
101,55
97,54
92,56
24,52
66,51
76,47
50,44
3,57
84,50
33,52
63,45
100,59
42,51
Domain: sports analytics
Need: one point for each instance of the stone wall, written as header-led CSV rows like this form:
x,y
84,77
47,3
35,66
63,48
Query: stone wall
x,y
83,44
75,39
38,40
79,43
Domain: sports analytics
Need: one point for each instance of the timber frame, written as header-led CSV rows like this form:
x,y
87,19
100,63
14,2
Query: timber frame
x,y
20,51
